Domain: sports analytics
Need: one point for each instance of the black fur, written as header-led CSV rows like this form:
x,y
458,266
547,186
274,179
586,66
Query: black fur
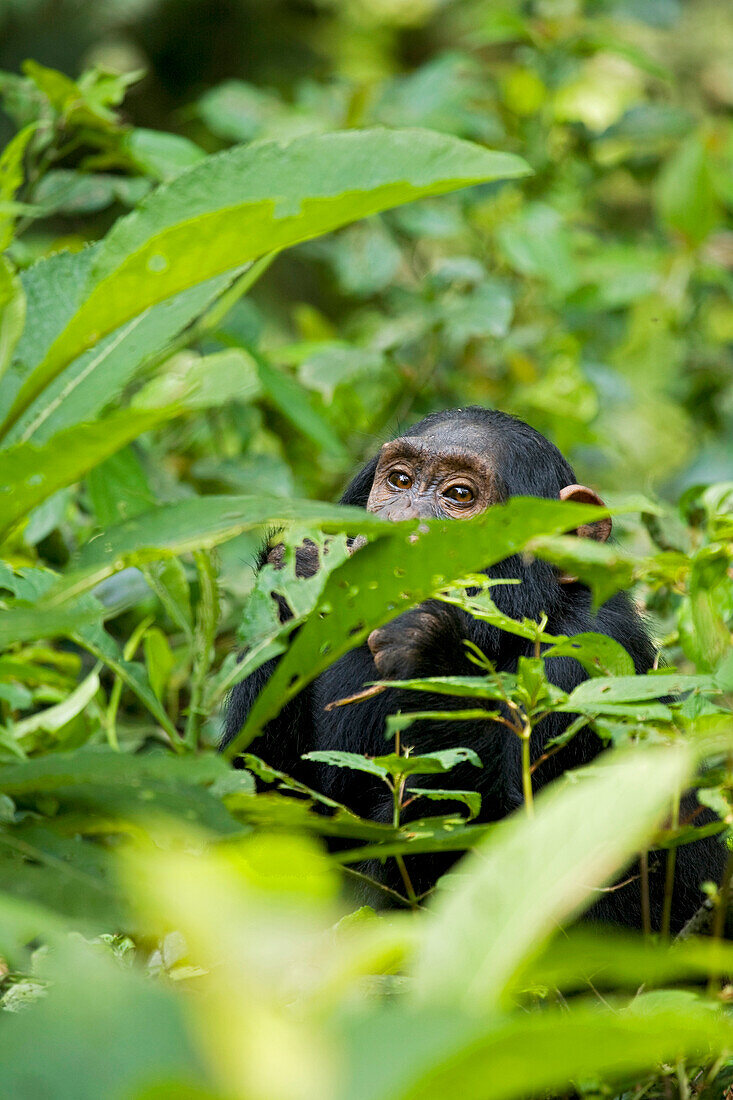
x,y
529,465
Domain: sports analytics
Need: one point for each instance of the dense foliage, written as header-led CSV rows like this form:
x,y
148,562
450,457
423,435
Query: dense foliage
x,y
207,320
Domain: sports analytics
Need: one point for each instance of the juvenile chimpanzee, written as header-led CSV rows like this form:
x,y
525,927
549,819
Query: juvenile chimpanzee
x,y
455,464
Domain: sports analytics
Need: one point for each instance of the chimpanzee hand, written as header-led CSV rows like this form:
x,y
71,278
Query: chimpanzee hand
x,y
425,641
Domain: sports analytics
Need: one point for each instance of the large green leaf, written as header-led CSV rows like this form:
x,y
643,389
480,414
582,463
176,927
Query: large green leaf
x,y
53,288
238,205
29,473
436,1053
12,313
485,928
623,689
66,876
26,624
199,524
399,570
618,959
96,379
110,783
125,1036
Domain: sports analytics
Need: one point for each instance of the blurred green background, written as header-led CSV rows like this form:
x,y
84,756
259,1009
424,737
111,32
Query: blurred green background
x,y
592,299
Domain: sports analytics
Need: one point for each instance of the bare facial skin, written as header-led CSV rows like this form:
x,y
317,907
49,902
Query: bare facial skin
x,y
450,476
414,480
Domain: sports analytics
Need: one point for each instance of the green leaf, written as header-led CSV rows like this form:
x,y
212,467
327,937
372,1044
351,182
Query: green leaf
x,y
97,378
52,287
204,522
472,799
168,580
685,193
202,382
446,833
600,566
55,718
599,654
12,313
129,1034
29,472
536,244
435,1053
159,659
396,723
74,194
432,763
411,567
119,489
238,205
625,689
350,760
706,612
489,923
484,311
11,178
333,364
65,876
162,155
98,780
618,959
27,624
95,639
482,607
294,401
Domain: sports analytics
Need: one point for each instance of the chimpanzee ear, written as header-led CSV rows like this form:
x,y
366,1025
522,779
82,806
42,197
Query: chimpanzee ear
x,y
581,494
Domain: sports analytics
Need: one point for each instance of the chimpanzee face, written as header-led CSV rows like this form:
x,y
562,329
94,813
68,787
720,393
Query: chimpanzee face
x,y
453,470
423,477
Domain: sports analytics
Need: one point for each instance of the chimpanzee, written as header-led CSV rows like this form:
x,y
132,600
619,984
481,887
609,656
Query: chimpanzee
x,y
455,464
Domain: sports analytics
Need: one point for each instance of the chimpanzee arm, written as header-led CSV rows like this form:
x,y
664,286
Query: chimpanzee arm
x,y
286,736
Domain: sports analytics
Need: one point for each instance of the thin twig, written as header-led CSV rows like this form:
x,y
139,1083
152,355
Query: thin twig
x,y
414,904
378,885
545,756
721,909
358,697
646,918
527,775
669,874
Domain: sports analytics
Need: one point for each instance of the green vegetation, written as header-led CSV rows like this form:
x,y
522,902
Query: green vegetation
x,y
214,301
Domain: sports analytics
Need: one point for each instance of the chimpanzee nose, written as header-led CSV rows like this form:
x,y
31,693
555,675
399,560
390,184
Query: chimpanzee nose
x,y
401,509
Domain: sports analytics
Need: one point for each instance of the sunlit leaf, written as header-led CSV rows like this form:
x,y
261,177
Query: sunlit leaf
x,y
483,929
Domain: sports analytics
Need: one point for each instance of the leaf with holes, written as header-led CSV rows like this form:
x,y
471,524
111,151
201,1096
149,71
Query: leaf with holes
x,y
402,569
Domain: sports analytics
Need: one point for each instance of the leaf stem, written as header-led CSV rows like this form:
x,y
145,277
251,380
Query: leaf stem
x,y
721,909
646,919
414,904
527,773
352,873
203,643
669,874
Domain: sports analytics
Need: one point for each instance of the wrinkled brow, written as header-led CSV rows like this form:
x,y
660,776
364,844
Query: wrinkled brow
x,y
415,452
404,449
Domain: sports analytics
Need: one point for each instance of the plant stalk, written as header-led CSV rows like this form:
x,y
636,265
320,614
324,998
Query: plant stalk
x,y
527,774
669,875
646,918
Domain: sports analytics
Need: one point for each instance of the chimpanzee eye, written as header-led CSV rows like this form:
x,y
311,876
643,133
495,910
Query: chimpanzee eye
x,y
460,494
399,479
